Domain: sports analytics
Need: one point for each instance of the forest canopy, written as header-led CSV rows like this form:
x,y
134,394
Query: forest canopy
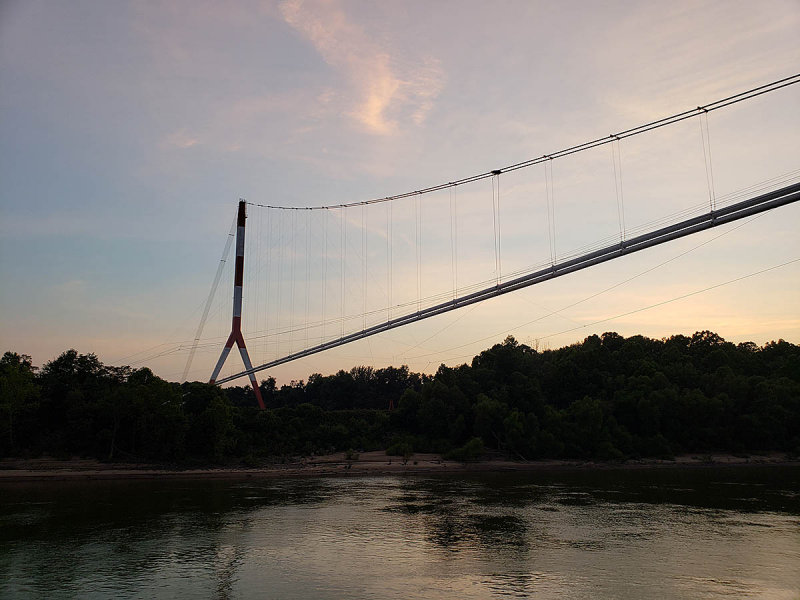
x,y
606,398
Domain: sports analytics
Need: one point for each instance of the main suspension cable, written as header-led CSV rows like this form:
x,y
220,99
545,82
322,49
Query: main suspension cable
x,y
682,116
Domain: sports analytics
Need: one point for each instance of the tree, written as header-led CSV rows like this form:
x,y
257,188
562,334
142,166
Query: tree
x,y
18,390
489,417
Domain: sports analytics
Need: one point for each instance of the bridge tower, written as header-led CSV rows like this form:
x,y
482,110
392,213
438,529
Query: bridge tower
x,y
236,325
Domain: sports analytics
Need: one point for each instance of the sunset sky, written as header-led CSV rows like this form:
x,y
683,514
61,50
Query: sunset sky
x,y
129,130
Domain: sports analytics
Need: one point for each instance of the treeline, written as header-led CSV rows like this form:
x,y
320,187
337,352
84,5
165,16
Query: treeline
x,y
606,398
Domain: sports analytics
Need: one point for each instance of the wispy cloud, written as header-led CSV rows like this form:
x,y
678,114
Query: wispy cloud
x,y
387,91
180,139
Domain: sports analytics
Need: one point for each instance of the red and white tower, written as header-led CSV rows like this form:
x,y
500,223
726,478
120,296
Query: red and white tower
x,y
236,327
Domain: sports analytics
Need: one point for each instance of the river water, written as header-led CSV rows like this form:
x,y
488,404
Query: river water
x,y
663,533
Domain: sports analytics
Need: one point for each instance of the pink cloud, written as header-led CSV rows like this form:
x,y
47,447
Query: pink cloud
x,y
386,91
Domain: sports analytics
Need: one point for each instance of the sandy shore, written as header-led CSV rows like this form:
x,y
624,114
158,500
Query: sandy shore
x,y
367,463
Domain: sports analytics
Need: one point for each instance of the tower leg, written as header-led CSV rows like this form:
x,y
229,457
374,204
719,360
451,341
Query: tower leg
x,y
248,365
223,357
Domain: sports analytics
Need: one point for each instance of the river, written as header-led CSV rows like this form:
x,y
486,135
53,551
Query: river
x,y
651,533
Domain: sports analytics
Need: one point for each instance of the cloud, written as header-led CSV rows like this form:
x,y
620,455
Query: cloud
x,y
180,139
389,92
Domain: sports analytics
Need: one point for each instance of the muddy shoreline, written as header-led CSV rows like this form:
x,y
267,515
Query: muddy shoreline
x,y
364,464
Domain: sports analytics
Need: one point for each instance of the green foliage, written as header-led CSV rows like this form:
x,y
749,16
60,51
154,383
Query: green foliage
x,y
19,397
606,398
469,452
404,448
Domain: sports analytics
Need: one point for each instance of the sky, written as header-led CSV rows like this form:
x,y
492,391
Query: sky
x,y
129,130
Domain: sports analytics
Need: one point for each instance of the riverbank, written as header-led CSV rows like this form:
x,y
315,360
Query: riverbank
x,y
366,463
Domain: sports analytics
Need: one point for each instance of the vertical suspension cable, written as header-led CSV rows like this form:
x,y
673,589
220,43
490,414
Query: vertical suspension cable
x,y
250,275
616,187
419,274
256,307
616,162
279,316
710,166
293,275
268,299
707,157
494,231
308,273
259,347
455,238
494,228
343,249
621,190
249,264
253,282
389,261
364,264
547,200
452,244
258,343
280,287
324,270
499,236
551,205
416,245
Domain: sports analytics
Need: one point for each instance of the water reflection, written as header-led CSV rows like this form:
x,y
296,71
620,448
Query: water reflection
x,y
604,534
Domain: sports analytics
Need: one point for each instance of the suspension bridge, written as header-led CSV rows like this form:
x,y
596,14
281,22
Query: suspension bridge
x,y
320,276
